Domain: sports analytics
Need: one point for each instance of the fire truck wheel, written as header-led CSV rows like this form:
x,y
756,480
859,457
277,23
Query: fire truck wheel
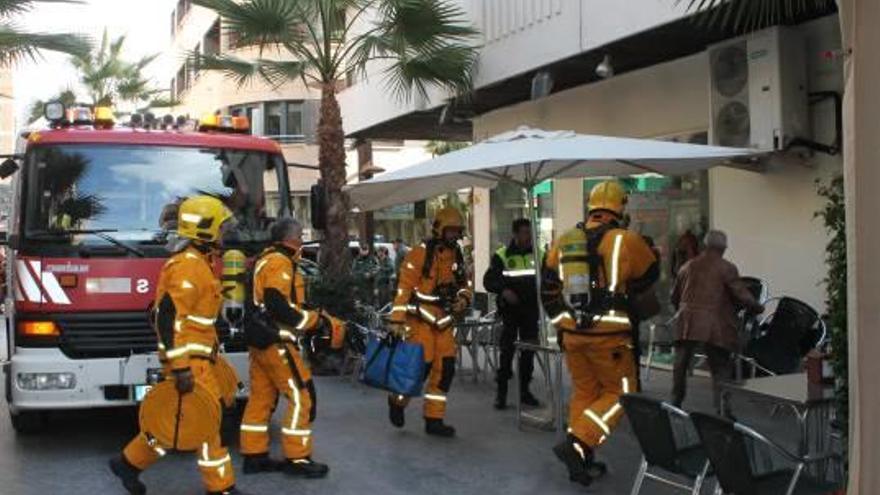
x,y
29,422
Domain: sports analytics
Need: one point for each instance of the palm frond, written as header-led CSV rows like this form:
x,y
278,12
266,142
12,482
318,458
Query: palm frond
x,y
17,45
749,15
273,72
424,24
449,67
12,7
262,22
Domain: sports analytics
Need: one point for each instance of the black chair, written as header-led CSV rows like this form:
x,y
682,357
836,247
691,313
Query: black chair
x,y
747,463
668,443
785,337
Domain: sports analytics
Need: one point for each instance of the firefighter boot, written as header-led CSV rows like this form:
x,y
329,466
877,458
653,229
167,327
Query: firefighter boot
x,y
261,463
438,428
305,468
396,413
576,457
128,475
501,395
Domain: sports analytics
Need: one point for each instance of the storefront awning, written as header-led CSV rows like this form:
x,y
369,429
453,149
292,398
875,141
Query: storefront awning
x,y
529,156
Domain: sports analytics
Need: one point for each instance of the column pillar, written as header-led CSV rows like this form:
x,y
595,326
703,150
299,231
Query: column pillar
x,y
861,177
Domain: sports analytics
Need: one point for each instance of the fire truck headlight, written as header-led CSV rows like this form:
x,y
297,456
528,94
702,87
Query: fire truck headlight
x,y
46,381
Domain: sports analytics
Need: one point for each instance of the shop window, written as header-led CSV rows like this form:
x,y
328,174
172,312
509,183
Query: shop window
x,y
664,209
508,202
273,119
211,41
294,119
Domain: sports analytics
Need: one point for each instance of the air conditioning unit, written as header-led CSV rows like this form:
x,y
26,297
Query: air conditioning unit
x,y
758,92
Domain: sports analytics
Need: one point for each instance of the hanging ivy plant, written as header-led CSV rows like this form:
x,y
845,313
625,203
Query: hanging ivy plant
x,y
833,215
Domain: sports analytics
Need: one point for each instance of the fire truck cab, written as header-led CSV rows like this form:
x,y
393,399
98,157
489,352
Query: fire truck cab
x,y
92,223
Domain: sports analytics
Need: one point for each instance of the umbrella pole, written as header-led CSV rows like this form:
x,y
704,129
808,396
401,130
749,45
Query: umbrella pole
x,y
533,217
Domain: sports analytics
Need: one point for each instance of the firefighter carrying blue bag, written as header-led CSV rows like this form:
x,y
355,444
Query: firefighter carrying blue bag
x,y
395,366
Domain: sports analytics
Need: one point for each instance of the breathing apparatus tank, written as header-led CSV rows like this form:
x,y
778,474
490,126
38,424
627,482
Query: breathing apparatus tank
x,y
233,286
575,271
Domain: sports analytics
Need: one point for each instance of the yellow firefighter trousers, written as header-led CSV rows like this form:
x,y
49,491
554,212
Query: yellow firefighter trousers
x,y
278,369
439,350
214,461
602,369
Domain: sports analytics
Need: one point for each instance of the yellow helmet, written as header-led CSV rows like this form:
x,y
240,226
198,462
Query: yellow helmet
x,y
608,195
446,217
200,217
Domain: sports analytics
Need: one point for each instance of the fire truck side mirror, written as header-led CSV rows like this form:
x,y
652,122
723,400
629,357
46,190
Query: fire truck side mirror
x,y
8,167
318,206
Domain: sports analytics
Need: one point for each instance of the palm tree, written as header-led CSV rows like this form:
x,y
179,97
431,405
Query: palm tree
x,y
424,43
748,15
437,148
17,45
108,78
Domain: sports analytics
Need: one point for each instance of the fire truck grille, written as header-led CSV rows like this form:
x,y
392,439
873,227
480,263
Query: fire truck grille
x,y
106,335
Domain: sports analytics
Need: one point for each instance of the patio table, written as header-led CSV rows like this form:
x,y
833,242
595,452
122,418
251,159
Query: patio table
x,y
812,405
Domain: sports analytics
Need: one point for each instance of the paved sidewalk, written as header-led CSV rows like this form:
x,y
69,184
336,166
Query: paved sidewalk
x,y
366,455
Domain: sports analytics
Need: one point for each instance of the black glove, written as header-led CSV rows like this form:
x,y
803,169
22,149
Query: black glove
x,y
184,380
259,330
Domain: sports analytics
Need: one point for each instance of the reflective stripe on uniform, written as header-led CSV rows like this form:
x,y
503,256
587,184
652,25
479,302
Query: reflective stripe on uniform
x,y
615,262
284,334
296,433
427,297
200,320
188,348
561,316
623,320
305,320
525,272
599,422
438,398
254,428
296,405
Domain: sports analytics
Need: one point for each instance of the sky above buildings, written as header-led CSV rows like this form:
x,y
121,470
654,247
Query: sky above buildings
x,y
146,23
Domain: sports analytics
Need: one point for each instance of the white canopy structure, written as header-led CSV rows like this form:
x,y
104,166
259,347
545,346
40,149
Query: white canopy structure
x,y
529,156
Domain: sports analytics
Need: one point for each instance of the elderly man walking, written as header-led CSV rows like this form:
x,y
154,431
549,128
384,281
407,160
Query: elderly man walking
x,y
707,294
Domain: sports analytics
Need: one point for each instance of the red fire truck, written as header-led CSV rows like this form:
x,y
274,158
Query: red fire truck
x,y
94,208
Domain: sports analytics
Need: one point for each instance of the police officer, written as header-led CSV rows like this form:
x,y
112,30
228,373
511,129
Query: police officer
x,y
188,301
432,291
511,277
586,276
276,364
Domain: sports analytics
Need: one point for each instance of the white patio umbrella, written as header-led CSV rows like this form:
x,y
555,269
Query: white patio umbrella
x,y
527,157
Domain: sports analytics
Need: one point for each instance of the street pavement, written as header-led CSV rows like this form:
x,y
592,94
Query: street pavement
x,y
366,455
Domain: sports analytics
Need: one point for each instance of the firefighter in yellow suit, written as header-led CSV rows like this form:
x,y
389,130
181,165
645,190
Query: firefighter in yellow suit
x,y
433,290
586,276
276,364
188,300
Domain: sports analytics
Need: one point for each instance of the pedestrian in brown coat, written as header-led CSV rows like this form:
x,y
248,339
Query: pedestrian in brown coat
x,y
707,294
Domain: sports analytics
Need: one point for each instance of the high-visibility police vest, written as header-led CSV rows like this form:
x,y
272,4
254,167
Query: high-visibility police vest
x,y
517,265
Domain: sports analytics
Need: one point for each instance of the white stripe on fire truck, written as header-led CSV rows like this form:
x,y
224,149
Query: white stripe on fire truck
x,y
31,285
51,285
28,285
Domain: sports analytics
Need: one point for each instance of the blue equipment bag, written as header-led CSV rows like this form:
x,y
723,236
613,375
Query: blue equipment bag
x,y
395,366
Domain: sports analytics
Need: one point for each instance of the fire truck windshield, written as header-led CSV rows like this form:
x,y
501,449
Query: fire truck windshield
x,y
74,191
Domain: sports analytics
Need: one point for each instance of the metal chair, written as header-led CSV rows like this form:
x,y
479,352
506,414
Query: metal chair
x,y
785,336
669,444
659,335
748,463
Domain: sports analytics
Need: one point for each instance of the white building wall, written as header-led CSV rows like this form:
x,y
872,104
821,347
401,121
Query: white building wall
x,y
538,32
769,217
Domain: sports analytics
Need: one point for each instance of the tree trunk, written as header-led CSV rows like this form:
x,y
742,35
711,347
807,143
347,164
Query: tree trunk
x,y
331,159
